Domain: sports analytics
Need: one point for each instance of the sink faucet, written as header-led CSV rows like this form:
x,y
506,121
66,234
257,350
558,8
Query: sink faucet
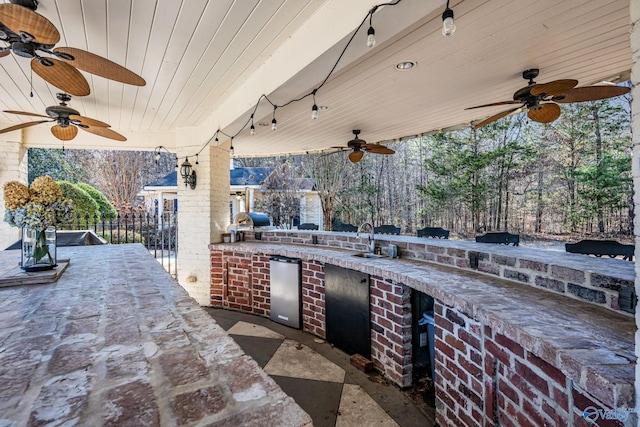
x,y
372,242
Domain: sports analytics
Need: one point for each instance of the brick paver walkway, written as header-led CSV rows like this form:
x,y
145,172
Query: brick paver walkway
x,y
116,341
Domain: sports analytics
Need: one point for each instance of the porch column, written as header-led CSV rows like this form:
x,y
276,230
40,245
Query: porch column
x,y
635,129
13,167
203,213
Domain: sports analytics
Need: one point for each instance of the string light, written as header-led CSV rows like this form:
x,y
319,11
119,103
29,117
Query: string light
x,y
371,33
448,26
314,110
274,122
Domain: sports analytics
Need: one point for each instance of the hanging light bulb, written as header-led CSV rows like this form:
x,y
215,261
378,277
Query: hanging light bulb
x,y
274,123
253,129
371,33
371,37
197,160
314,109
448,26
231,150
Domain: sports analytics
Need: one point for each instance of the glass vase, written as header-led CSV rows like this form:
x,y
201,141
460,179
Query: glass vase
x,y
39,251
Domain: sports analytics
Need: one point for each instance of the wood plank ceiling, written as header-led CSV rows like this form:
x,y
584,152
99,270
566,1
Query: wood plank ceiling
x,y
196,54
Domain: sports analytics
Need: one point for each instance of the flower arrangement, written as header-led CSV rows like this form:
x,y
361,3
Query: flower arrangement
x,y
34,210
37,207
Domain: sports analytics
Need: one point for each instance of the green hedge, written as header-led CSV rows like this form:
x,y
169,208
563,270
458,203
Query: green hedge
x,y
105,208
83,203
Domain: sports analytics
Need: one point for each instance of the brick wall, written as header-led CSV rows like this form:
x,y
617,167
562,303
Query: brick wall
x,y
486,378
391,330
546,272
313,315
201,216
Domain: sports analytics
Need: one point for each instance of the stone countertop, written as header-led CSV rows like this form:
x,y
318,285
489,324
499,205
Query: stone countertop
x,y
117,340
591,345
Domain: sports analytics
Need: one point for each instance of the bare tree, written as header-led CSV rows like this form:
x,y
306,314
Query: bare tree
x,y
120,175
329,173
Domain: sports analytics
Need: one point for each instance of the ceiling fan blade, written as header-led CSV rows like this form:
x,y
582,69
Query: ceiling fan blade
x,y
63,76
100,66
545,114
22,126
591,93
89,121
64,134
556,87
24,113
377,149
18,18
104,132
495,103
495,117
4,53
356,156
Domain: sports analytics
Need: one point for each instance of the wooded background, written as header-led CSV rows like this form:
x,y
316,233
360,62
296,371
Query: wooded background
x,y
570,177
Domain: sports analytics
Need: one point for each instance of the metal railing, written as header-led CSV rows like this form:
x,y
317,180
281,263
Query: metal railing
x,y
158,233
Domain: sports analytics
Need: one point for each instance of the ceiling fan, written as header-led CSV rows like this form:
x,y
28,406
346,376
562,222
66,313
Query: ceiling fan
x,y
359,146
540,99
67,121
29,34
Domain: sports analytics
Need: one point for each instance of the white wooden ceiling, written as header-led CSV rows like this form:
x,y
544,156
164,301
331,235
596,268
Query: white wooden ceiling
x,y
197,56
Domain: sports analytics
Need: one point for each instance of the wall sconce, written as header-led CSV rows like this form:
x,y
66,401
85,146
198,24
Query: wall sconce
x,y
188,174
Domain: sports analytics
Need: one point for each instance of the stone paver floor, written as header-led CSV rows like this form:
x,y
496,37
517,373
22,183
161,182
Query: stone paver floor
x,y
319,377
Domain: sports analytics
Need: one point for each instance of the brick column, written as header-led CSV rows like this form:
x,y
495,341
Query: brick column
x,y
13,167
203,213
635,129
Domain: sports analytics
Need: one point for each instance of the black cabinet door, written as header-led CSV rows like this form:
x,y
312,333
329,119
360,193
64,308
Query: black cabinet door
x,y
347,310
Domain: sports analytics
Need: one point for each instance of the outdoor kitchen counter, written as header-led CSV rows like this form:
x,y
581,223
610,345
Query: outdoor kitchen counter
x,y
591,345
116,341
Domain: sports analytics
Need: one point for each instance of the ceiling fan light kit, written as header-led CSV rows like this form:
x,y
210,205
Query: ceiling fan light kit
x,y
30,35
359,146
540,100
67,122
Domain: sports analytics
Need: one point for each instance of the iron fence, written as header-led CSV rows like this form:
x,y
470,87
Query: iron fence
x,y
158,233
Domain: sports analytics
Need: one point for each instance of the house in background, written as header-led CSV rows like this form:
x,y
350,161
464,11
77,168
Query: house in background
x,y
244,188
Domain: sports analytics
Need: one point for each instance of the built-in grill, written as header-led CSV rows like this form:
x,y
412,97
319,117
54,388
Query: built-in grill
x,y
252,220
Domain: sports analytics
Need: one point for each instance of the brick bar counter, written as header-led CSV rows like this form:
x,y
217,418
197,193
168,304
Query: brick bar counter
x,y
116,341
522,336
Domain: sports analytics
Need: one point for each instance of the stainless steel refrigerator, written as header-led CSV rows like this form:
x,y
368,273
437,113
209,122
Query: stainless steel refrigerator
x,y
286,290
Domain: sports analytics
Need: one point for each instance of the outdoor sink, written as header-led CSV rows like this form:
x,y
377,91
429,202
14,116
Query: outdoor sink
x,y
367,255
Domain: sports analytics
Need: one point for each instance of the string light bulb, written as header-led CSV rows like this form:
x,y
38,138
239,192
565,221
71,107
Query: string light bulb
x,y
371,33
448,25
314,109
253,129
274,122
371,37
231,149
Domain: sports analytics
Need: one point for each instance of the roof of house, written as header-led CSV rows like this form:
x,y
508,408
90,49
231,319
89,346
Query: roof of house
x,y
238,176
249,176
